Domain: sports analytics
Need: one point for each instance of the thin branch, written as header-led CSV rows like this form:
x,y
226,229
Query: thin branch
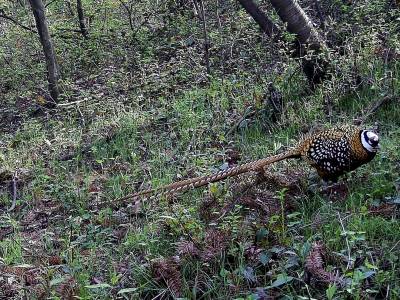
x,y
4,16
129,11
395,245
70,103
202,18
349,259
377,105
49,3
261,19
14,192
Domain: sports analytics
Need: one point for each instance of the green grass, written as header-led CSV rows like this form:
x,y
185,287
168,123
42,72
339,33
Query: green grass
x,y
147,121
128,149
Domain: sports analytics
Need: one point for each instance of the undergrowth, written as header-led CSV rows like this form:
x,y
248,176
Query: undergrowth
x,y
144,114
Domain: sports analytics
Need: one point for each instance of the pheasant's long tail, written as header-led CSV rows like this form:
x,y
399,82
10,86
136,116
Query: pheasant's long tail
x,y
184,185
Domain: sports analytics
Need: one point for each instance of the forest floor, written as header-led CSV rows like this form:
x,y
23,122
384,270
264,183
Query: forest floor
x,y
254,237
139,111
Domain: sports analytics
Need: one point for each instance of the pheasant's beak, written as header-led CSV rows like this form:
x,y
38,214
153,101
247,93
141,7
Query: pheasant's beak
x,y
376,148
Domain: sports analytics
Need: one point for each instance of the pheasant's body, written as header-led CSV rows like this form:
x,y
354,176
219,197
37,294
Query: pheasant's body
x,y
335,151
331,152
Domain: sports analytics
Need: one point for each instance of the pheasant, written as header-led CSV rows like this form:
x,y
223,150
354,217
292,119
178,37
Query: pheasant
x,y
331,152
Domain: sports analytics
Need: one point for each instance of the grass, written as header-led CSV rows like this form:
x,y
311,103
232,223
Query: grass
x,y
127,150
231,240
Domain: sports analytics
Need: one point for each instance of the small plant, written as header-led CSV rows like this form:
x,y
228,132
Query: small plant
x,y
330,291
279,221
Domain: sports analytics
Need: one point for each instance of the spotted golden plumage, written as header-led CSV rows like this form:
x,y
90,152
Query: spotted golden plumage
x,y
331,152
336,151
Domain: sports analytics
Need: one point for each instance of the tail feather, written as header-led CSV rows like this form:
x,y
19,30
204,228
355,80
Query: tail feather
x,y
184,185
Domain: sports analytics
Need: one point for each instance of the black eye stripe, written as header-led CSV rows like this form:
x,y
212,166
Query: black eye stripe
x,y
373,142
366,137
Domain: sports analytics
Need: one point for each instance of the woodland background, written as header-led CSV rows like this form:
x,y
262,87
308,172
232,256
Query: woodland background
x,y
122,95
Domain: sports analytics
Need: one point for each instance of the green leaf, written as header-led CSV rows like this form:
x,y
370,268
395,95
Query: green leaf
x,y
57,281
213,189
127,290
248,274
261,233
98,286
281,280
368,274
370,266
168,218
293,215
305,249
223,272
264,258
330,291
394,200
277,249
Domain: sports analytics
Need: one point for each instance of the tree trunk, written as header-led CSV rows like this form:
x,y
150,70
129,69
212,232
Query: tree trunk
x,y
261,19
205,36
297,21
81,18
308,38
199,8
43,30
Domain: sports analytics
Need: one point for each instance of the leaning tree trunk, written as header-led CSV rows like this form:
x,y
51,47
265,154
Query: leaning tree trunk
x,y
299,24
261,19
43,30
81,18
199,7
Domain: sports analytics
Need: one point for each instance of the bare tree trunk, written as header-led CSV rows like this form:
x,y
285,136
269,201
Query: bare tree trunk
x,y
261,19
43,30
205,36
202,18
297,21
128,9
299,24
81,18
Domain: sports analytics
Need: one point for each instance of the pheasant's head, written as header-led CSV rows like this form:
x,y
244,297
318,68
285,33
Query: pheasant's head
x,y
370,141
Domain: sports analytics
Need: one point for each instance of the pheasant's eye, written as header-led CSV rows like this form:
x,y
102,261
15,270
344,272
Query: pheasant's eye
x,y
373,143
373,139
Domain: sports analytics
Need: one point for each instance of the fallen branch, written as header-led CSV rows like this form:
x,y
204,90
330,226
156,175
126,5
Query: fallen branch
x,y
14,192
375,106
247,114
71,103
4,16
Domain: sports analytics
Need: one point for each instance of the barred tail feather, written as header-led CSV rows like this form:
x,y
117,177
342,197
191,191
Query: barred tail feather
x,y
187,184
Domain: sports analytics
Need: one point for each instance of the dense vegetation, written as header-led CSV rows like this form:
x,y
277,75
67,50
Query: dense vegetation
x,y
139,107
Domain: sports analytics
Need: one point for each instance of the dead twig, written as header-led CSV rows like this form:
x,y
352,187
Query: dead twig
x,y
349,259
395,245
205,37
71,103
247,114
378,104
4,16
14,192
